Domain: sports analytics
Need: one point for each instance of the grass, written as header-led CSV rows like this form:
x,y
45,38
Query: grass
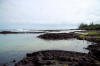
x,y
93,32
98,37
82,36
98,64
66,65
90,34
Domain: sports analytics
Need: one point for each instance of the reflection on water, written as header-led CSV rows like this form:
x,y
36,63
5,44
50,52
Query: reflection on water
x,y
15,46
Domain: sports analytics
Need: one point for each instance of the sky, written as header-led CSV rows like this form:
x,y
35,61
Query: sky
x,y
69,12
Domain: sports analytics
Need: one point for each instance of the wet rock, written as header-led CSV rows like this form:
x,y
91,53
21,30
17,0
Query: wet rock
x,y
4,65
94,50
14,61
29,55
57,57
56,36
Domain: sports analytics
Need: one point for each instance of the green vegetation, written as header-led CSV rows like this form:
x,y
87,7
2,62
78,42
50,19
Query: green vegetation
x,y
98,63
90,34
66,65
82,36
89,27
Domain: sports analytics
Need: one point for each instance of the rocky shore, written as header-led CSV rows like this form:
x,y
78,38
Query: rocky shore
x,y
94,49
58,58
64,58
88,38
56,36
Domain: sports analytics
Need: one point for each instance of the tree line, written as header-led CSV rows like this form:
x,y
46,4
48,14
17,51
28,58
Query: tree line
x,y
91,26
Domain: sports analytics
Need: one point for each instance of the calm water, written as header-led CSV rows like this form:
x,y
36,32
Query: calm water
x,y
15,46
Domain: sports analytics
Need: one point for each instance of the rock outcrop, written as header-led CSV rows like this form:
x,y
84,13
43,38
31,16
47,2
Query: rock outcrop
x,y
57,58
56,36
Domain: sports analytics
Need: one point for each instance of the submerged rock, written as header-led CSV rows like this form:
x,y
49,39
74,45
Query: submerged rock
x,y
57,58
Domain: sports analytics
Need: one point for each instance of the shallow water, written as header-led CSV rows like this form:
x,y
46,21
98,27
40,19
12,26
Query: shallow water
x,y
15,46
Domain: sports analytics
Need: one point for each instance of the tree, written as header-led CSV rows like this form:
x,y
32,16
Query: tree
x,y
91,26
83,26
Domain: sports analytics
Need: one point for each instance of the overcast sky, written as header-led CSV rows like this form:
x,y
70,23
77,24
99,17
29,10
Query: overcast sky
x,y
15,12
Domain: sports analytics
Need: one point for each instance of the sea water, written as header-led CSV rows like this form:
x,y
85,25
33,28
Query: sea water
x,y
15,46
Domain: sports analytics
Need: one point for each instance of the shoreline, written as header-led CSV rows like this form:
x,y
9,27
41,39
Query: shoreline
x,y
57,58
94,53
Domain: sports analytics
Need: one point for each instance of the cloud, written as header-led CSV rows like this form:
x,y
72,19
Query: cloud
x,y
49,11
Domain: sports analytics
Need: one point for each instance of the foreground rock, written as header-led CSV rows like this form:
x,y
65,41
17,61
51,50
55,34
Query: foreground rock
x,y
55,36
57,58
95,50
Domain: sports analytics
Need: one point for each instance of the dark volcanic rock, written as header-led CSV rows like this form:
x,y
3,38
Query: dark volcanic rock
x,y
56,36
95,50
7,32
57,58
90,38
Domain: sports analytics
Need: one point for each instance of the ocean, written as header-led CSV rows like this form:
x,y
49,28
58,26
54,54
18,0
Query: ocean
x,y
15,46
38,27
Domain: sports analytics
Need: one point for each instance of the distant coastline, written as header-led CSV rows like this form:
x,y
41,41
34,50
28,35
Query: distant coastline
x,y
37,31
